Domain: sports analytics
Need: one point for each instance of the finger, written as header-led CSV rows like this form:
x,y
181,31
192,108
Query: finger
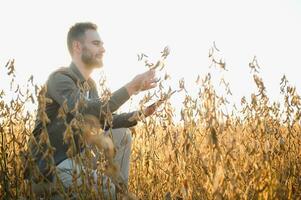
x,y
149,111
147,83
149,86
152,85
151,73
154,80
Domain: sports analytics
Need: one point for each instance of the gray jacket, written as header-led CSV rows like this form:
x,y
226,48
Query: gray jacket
x,y
64,85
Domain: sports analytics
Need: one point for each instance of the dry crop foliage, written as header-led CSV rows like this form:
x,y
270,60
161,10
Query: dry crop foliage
x,y
248,153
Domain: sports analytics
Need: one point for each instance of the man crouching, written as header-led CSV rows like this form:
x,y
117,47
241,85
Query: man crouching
x,y
70,92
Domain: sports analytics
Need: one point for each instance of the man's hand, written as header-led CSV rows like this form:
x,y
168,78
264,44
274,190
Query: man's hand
x,y
141,82
149,110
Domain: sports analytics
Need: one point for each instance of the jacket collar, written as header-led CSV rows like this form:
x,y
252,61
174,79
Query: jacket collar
x,y
77,72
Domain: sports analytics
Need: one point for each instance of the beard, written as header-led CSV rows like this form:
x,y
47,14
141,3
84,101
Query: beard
x,y
90,60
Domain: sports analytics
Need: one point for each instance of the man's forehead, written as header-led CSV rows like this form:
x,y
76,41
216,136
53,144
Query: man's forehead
x,y
92,35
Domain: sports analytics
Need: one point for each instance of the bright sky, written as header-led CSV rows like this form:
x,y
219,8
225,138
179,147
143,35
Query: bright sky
x,y
34,33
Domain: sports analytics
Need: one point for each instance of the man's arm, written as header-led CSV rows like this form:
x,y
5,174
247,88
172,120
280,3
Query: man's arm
x,y
127,120
122,121
62,88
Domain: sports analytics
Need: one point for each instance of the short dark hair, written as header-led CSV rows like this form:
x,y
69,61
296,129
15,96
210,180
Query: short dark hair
x,y
77,32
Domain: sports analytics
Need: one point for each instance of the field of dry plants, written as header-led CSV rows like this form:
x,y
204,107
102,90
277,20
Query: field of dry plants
x,y
249,153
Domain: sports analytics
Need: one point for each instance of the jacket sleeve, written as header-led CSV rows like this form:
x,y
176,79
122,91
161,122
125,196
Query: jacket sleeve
x,y
122,121
62,88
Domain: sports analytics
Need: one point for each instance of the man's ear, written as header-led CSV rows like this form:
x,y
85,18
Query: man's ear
x,y
76,47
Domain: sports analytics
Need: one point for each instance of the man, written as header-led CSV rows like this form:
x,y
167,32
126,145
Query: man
x,y
65,89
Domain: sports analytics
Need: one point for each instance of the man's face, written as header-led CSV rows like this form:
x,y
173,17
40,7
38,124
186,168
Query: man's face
x,y
92,50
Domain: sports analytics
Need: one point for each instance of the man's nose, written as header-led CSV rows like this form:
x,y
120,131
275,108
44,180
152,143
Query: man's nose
x,y
103,50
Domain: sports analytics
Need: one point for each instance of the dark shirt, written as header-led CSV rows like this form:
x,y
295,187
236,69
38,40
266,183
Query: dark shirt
x,y
64,86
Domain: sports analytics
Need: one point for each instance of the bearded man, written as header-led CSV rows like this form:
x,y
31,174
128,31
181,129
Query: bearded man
x,y
64,88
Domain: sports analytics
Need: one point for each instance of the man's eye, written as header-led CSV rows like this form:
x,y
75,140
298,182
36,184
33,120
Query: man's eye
x,y
97,43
